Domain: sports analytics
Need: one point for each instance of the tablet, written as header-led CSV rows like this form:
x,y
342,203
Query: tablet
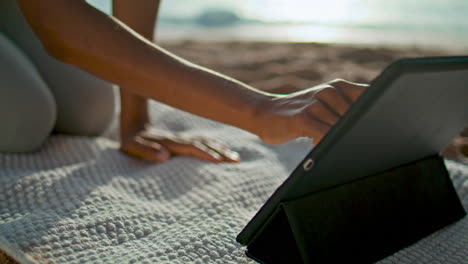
x,y
412,110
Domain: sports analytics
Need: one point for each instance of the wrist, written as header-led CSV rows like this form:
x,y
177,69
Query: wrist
x,y
134,115
261,116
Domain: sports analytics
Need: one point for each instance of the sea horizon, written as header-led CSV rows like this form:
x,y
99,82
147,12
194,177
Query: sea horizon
x,y
418,23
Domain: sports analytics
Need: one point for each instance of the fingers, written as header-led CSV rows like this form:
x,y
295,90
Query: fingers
x,y
201,151
159,146
335,97
228,154
329,105
145,149
321,112
350,90
332,100
200,148
313,128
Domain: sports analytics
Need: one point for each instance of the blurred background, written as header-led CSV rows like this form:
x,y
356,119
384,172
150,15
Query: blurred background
x,y
398,22
284,46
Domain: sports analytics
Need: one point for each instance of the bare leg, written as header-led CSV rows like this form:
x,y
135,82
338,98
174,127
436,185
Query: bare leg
x,y
85,104
27,108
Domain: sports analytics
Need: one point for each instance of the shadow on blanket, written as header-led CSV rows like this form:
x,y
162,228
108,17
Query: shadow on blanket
x,y
79,200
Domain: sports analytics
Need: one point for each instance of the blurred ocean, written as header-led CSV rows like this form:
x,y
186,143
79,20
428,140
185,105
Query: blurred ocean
x,y
435,23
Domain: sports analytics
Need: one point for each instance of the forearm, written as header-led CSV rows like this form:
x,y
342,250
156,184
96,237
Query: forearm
x,y
140,15
79,34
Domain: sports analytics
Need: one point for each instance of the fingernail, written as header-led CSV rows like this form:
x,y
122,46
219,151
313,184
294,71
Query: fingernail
x,y
233,155
162,155
216,156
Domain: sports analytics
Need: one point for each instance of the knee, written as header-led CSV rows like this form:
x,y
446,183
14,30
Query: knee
x,y
91,111
26,125
27,108
99,112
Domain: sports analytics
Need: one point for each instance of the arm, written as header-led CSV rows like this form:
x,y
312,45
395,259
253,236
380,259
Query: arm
x,y
136,136
76,33
140,15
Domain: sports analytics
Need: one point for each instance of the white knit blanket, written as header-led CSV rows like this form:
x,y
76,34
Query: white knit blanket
x,y
79,200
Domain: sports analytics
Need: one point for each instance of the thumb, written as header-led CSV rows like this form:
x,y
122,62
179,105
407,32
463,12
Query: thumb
x,y
315,129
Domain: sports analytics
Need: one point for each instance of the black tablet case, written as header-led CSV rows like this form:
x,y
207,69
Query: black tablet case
x,y
361,221
373,216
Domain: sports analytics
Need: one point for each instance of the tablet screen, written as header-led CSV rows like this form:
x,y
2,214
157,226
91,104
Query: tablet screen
x,y
411,111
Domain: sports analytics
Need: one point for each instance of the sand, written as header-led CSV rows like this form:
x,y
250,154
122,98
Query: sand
x,y
289,67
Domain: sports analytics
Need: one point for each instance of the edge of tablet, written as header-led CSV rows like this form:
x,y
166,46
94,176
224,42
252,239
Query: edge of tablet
x,y
366,100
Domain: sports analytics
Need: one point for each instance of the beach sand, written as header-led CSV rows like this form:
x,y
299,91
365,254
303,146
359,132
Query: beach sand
x,y
289,67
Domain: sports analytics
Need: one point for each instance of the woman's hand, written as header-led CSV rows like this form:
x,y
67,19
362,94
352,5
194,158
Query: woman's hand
x,y
136,137
307,113
78,34
158,146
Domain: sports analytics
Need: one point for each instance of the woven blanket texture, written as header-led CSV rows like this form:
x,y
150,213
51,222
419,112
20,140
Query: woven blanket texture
x,y
79,200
